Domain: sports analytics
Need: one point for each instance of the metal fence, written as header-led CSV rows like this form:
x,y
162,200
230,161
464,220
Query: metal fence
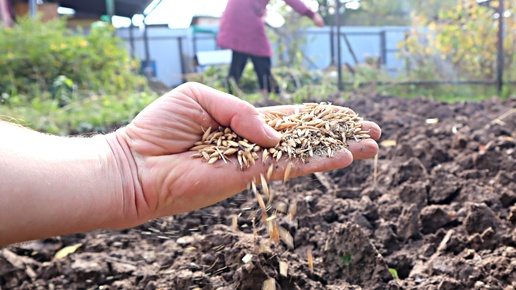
x,y
170,54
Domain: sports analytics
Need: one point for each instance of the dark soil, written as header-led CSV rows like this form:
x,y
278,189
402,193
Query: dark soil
x,y
440,214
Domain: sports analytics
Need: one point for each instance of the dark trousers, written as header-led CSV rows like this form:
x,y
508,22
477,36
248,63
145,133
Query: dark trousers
x,y
262,68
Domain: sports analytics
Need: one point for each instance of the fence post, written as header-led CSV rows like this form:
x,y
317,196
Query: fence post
x,y
383,47
33,8
332,46
147,71
131,39
339,59
499,57
181,58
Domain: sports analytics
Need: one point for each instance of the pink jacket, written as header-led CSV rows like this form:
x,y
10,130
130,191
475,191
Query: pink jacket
x,y
242,27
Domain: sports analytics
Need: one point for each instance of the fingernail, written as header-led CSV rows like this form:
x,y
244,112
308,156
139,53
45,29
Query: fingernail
x,y
271,133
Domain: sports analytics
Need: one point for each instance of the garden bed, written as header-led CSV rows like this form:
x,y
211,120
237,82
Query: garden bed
x,y
437,213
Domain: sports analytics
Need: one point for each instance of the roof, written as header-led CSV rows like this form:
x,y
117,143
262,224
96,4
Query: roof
x,y
126,8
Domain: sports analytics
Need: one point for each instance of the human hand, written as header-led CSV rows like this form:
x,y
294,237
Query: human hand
x,y
160,176
318,20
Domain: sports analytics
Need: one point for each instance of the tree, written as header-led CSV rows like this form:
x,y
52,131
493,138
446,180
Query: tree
x,y
461,42
381,12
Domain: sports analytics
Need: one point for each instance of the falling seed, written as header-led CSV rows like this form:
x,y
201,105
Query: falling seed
x,y
278,156
310,261
287,172
292,210
274,232
260,201
234,222
285,236
265,187
270,171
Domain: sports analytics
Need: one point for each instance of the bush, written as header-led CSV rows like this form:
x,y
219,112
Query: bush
x,y
47,57
94,114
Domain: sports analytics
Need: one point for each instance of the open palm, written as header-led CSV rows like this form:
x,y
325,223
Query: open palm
x,y
168,181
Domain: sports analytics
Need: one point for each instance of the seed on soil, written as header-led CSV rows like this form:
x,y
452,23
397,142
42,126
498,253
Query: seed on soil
x,y
247,258
285,236
269,284
283,268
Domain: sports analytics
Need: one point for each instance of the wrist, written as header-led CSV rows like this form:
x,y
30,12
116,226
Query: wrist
x,y
55,185
131,202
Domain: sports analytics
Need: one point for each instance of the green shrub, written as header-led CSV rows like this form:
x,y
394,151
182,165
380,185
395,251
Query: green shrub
x,y
97,113
46,57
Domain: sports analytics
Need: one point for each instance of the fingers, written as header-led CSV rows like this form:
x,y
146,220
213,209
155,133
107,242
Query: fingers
x,y
287,169
232,112
247,121
290,109
364,149
374,130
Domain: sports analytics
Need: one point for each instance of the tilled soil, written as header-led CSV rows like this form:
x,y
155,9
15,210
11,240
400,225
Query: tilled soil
x,y
437,213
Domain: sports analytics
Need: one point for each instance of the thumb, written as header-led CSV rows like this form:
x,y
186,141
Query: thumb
x,y
230,111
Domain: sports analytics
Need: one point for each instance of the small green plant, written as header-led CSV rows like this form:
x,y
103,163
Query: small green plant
x,y
394,273
346,259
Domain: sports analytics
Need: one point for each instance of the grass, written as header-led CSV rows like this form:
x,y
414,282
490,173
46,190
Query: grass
x,y
93,113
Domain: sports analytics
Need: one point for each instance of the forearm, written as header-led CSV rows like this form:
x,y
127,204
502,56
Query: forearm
x,y
52,185
301,8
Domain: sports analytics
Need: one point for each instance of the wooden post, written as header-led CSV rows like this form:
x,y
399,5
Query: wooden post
x,y
339,59
499,57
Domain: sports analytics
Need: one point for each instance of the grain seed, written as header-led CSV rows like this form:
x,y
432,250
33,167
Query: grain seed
x,y
310,261
269,171
287,172
285,236
269,284
206,134
283,268
265,187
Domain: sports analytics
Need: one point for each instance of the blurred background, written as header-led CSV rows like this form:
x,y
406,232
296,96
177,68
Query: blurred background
x,y
72,50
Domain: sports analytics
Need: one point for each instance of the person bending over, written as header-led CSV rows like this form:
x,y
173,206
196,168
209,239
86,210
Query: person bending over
x,y
242,30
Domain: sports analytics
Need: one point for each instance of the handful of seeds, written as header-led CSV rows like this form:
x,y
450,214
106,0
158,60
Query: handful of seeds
x,y
315,129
